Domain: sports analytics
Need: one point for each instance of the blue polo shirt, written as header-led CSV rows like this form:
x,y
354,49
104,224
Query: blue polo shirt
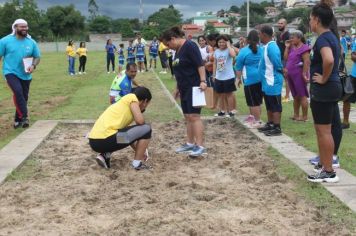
x,y
270,69
13,50
353,71
110,48
248,62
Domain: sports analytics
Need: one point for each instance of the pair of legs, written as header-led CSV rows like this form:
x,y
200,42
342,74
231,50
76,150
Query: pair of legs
x,y
254,97
300,102
71,63
110,58
121,66
153,58
347,104
140,66
274,109
163,59
195,129
82,62
20,89
227,101
328,130
138,137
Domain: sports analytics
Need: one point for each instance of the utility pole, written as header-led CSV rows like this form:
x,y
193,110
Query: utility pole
x,y
248,17
141,12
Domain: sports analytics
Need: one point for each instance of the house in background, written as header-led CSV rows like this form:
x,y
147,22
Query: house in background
x,y
220,27
192,29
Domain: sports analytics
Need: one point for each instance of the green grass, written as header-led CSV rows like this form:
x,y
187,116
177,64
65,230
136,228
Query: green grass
x,y
302,133
327,205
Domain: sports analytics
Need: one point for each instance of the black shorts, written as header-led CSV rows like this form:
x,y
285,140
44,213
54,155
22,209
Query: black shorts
x,y
225,86
111,144
323,112
352,98
186,101
253,94
273,103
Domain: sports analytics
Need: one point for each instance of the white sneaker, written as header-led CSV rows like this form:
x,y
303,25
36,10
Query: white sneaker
x,y
255,125
79,73
108,72
72,74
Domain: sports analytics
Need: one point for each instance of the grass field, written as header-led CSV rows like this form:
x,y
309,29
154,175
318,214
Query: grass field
x,y
56,95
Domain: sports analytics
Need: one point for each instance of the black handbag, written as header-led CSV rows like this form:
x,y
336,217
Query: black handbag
x,y
346,82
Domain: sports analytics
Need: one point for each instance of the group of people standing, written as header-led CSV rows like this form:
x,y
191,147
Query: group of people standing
x,y
72,52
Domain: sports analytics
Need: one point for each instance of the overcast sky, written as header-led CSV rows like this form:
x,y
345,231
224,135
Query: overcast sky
x,y
130,8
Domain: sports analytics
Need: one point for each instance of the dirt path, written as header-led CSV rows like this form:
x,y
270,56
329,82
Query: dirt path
x,y
234,191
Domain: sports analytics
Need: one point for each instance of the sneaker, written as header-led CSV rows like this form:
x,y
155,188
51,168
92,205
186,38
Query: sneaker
x,y
265,128
230,115
25,123
255,125
220,114
317,168
108,72
17,124
185,148
273,132
79,73
71,74
103,159
323,176
197,151
249,119
316,161
345,126
142,166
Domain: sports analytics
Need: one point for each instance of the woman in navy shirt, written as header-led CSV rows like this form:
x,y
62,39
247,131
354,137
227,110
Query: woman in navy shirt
x,y
189,72
325,90
110,55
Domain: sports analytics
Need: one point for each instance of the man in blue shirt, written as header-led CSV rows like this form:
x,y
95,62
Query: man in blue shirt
x,y
270,70
344,45
20,57
122,84
352,98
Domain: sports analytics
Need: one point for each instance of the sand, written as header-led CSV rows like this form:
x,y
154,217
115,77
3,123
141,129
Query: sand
x,y
235,190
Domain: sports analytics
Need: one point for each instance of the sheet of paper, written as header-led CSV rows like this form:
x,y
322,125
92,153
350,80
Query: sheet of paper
x,y
27,62
198,97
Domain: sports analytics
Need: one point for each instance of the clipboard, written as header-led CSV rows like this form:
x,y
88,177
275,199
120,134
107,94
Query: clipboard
x,y
198,97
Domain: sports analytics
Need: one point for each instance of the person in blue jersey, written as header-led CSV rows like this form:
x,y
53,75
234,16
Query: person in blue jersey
x,y
325,90
154,52
352,98
14,48
271,72
345,49
110,55
140,55
121,57
122,84
130,52
189,72
247,74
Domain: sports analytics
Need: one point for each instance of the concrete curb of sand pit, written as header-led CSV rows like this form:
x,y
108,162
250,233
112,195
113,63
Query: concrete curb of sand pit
x,y
345,190
13,155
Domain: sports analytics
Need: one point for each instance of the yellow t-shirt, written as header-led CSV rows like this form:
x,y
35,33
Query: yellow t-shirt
x,y
70,50
115,117
161,47
82,51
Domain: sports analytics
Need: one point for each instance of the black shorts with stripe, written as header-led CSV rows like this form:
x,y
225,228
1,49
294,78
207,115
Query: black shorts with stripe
x,y
253,94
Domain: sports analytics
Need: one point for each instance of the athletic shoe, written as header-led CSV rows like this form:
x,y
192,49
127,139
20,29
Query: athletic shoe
x,y
185,148
255,125
197,151
273,132
220,114
17,124
71,74
265,128
79,73
345,126
103,159
230,115
249,119
316,161
142,166
323,176
108,72
25,123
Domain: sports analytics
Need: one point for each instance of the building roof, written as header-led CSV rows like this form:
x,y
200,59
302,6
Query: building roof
x,y
220,25
190,26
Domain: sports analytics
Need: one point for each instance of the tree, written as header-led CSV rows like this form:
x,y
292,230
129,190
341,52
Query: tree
x,y
149,32
65,21
165,18
101,25
209,29
93,9
234,9
123,26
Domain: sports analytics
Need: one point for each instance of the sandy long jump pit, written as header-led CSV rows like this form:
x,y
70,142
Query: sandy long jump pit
x,y
233,191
